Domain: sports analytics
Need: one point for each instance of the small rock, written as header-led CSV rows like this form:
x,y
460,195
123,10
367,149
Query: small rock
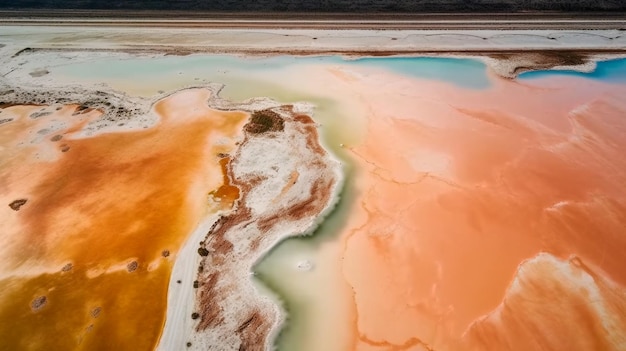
x,y
39,73
195,315
96,312
17,204
305,265
131,267
203,252
38,303
165,253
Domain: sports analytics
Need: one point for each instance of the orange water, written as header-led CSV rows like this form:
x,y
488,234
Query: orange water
x,y
459,188
111,202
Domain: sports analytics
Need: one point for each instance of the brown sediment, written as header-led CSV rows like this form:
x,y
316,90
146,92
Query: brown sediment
x,y
317,199
312,136
253,332
511,64
210,311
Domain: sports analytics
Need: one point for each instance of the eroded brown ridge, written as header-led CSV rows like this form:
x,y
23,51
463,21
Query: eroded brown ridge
x,y
210,314
251,331
314,203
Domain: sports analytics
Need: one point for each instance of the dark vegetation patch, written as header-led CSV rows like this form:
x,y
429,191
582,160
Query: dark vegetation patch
x,y
17,204
265,121
165,253
68,267
211,311
56,137
5,120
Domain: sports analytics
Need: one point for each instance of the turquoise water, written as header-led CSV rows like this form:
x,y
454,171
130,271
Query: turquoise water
x,y
463,72
611,71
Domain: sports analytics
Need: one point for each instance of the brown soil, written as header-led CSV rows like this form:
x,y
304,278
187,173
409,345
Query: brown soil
x,y
312,136
320,194
253,332
210,311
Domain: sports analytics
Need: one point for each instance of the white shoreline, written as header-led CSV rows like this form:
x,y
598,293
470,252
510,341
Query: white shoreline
x,y
294,41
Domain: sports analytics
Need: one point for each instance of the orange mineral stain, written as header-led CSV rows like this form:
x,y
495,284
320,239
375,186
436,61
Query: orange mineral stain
x,y
488,220
87,258
227,194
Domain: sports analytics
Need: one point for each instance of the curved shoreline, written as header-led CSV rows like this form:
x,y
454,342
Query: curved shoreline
x,y
269,191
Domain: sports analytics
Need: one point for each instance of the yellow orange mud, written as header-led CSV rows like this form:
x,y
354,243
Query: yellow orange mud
x,y
86,259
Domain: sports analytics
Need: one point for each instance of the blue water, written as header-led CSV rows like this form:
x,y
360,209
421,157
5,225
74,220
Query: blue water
x,y
466,73
463,72
612,71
